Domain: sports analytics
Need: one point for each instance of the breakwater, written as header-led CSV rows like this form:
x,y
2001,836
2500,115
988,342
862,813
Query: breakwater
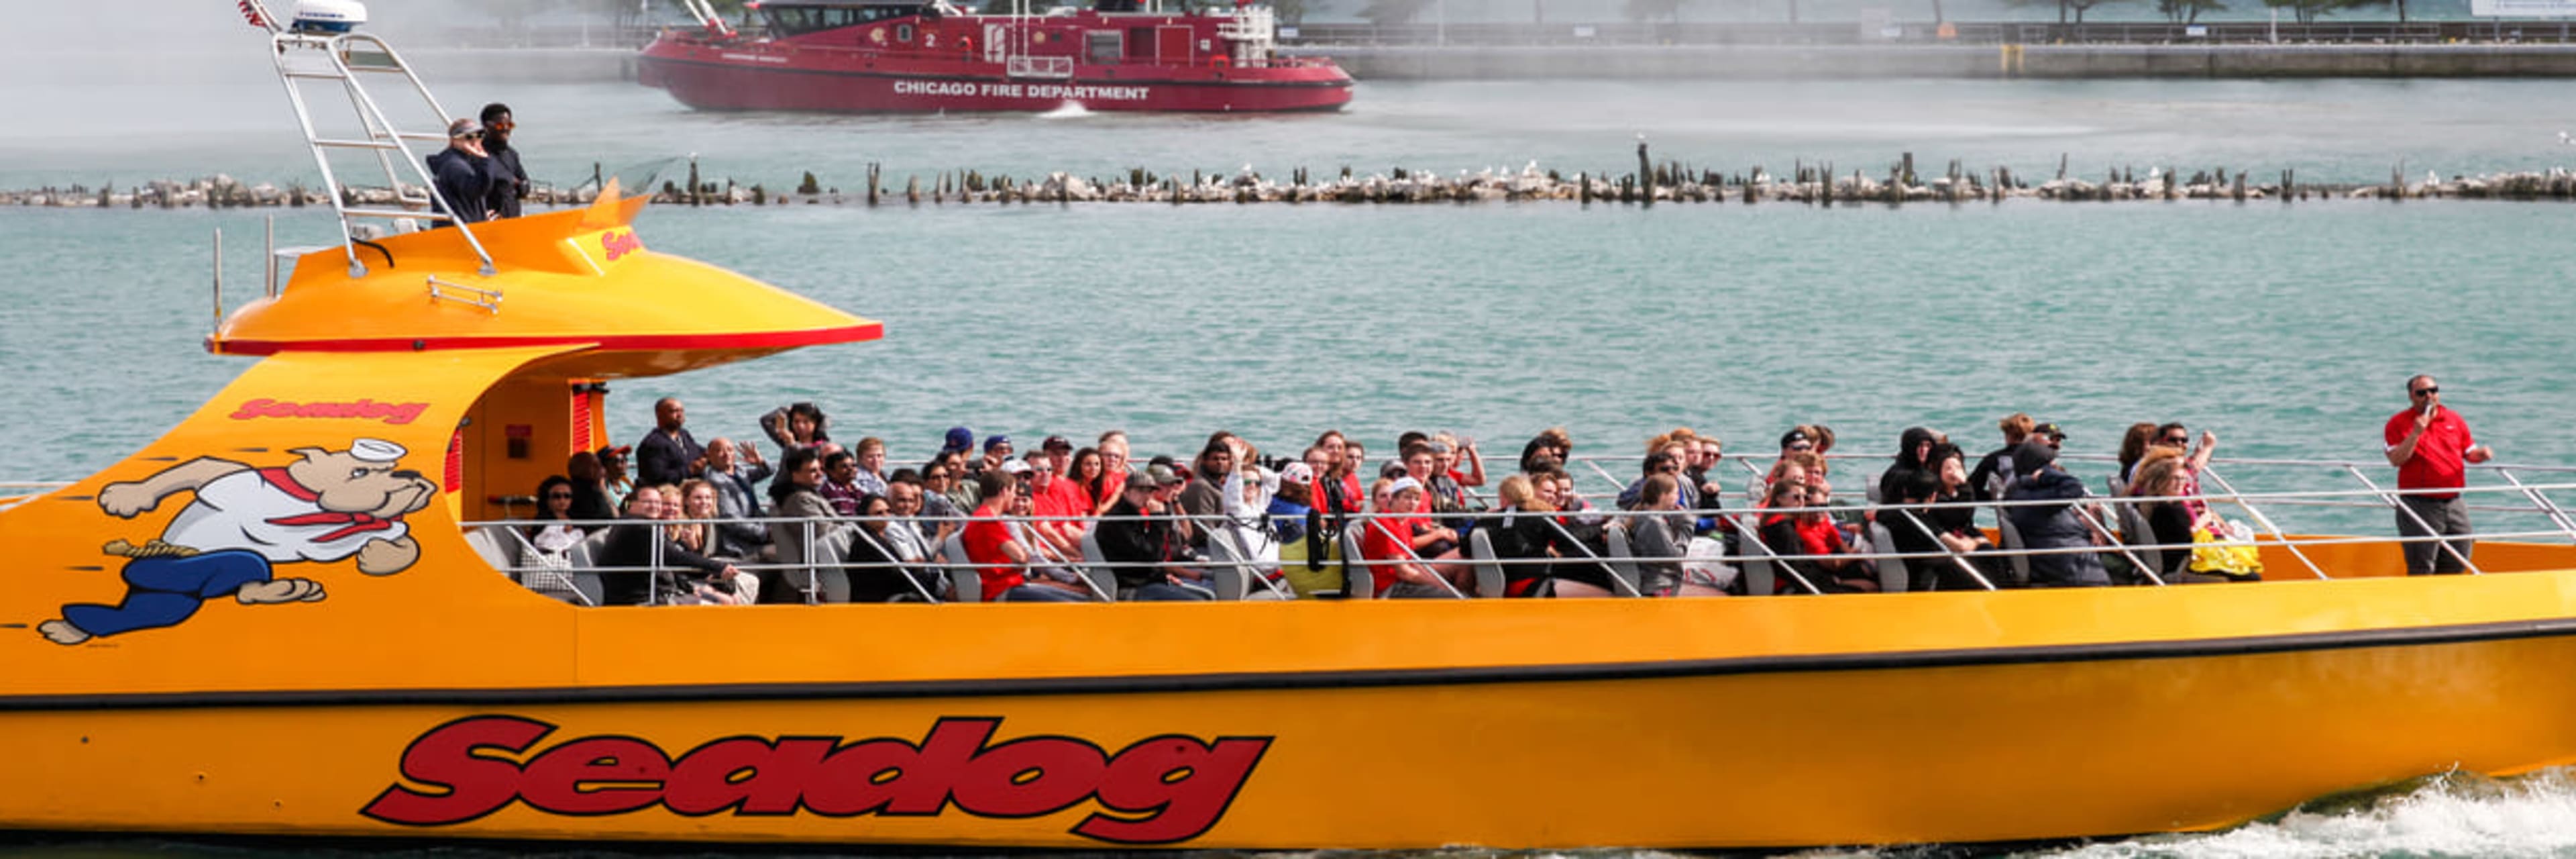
x,y
1654,182
2042,61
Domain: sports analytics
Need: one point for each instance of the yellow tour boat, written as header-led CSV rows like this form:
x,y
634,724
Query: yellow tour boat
x,y
271,621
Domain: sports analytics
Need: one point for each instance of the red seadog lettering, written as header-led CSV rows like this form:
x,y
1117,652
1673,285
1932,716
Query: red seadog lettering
x,y
391,413
1158,791
617,244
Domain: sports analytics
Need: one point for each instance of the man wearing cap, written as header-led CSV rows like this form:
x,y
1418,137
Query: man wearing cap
x,y
509,178
1056,446
997,450
2431,447
959,440
1138,536
668,455
1292,502
462,173
2036,477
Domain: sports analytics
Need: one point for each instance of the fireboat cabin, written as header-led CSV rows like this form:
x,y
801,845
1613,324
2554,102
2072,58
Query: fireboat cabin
x,y
904,56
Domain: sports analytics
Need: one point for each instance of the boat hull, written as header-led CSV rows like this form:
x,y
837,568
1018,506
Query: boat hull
x,y
713,79
1953,746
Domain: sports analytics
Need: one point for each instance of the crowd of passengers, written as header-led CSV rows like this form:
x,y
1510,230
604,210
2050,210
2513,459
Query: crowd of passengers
x,y
684,511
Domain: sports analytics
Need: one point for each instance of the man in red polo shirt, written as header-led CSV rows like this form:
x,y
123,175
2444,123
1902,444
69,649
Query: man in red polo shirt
x,y
1053,494
2431,447
1000,559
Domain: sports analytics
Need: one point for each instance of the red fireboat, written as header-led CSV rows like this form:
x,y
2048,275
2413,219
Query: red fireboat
x,y
911,56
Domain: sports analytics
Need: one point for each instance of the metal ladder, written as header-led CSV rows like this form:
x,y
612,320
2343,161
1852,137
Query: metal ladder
x,y
301,56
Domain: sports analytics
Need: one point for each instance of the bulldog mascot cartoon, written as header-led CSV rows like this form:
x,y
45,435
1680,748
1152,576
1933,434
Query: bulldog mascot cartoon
x,y
331,505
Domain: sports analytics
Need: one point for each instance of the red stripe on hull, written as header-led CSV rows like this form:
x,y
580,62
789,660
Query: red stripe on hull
x,y
615,343
714,83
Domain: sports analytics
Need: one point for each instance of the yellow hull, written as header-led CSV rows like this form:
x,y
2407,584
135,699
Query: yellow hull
x,y
1774,722
406,689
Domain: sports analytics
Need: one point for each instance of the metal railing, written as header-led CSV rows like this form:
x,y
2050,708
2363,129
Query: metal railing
x,y
2093,512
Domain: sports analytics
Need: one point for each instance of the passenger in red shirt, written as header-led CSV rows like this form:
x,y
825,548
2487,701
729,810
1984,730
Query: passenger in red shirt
x,y
1337,490
1001,559
2431,447
1051,494
1410,554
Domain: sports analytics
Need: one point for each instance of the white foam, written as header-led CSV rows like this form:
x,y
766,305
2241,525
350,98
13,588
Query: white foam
x,y
2451,815
1067,110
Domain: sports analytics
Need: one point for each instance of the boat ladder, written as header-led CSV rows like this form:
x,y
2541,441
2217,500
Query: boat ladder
x,y
345,58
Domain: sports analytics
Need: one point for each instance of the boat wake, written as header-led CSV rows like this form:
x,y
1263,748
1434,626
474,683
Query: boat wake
x,y
2446,815
1067,110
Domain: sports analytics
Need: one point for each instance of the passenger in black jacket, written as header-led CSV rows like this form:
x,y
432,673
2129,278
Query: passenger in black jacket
x,y
631,545
509,179
463,173
1138,532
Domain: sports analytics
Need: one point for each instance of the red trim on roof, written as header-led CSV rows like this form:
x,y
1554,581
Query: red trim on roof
x,y
611,343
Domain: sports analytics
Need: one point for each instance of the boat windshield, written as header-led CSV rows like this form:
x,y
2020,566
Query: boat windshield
x,y
798,20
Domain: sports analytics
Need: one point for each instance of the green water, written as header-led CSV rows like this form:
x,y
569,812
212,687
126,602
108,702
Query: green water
x,y
2288,330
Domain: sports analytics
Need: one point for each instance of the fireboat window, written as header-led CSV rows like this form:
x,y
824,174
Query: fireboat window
x,y
797,20
1105,47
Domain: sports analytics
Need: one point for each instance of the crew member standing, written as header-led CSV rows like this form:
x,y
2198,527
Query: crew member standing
x,y
463,173
2431,447
509,179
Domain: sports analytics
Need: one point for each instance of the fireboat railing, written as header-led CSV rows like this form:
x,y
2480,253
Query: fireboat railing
x,y
1042,64
829,540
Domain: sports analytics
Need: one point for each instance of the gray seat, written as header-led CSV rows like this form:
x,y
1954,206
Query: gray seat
x,y
822,579
1892,577
2141,538
494,549
584,555
1357,582
1760,577
1489,572
1623,560
963,580
2018,564
1228,573
1095,566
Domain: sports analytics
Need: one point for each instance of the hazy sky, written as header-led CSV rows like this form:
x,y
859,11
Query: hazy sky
x,y
138,40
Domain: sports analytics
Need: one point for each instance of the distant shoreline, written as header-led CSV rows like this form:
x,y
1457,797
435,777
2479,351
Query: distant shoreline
x,y
2074,61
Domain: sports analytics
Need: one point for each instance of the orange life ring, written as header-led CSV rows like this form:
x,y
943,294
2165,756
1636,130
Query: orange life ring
x,y
966,45
1218,61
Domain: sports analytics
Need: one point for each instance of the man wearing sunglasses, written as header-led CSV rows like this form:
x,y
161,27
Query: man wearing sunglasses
x,y
2431,447
463,173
